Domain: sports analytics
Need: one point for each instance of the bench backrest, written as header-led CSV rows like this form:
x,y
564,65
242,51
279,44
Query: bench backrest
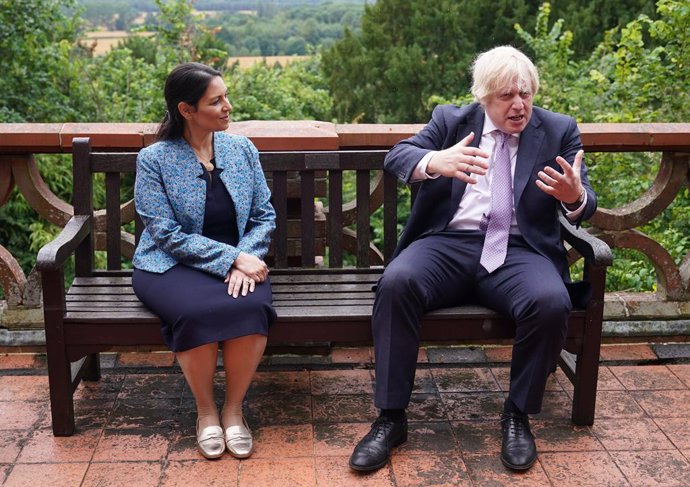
x,y
325,203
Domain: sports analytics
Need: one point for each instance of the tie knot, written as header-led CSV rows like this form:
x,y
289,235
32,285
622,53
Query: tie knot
x,y
502,137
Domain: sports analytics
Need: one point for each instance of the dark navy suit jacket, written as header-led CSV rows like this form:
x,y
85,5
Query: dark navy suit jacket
x,y
546,136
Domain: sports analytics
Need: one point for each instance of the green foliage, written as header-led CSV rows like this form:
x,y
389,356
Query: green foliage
x,y
289,31
35,39
293,92
639,73
409,51
588,20
181,37
124,87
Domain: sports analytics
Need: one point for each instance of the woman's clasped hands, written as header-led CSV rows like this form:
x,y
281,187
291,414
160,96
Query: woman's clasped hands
x,y
246,272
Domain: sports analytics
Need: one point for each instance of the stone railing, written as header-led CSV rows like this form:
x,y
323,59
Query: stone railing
x,y
665,313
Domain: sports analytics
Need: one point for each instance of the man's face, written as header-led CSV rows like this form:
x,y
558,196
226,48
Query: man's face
x,y
510,109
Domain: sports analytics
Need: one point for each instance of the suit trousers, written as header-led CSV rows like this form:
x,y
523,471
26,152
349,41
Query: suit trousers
x,y
441,270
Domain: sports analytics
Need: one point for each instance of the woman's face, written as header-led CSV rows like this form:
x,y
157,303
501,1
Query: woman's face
x,y
212,112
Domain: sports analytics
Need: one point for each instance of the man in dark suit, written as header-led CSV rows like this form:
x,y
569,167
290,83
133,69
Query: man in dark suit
x,y
493,177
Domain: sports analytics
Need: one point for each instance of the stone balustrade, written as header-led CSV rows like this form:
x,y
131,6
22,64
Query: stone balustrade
x,y
663,314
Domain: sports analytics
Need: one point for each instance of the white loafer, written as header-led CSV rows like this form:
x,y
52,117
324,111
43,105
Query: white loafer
x,y
210,441
238,440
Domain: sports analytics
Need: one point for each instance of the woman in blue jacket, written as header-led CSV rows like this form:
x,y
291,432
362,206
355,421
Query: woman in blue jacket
x,y
199,265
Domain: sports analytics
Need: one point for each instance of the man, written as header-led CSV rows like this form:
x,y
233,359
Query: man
x,y
484,228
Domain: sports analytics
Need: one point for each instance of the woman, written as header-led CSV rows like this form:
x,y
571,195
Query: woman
x,y
205,205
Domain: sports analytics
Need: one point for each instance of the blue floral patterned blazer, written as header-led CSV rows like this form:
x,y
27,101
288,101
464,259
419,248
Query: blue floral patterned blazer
x,y
170,197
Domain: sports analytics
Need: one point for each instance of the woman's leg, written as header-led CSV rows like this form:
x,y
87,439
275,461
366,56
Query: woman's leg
x,y
199,366
241,357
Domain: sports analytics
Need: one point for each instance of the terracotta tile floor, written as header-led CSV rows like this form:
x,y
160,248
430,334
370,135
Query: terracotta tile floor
x,y
135,427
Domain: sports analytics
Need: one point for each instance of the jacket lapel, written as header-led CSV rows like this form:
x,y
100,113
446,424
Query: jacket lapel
x,y
475,123
190,176
531,141
230,177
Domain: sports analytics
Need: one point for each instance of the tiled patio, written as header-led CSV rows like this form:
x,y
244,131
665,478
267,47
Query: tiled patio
x,y
136,426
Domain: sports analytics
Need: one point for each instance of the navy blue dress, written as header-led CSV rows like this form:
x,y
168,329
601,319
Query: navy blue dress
x,y
194,306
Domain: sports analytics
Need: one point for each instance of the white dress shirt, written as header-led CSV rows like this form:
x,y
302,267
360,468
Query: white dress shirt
x,y
476,200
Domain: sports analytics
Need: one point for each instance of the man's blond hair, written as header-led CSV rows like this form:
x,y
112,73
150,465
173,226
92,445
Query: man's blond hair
x,y
499,68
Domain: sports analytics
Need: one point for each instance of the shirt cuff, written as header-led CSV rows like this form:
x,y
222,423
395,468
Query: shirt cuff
x,y
575,214
419,172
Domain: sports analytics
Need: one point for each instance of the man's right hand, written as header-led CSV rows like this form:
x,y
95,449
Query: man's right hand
x,y
460,161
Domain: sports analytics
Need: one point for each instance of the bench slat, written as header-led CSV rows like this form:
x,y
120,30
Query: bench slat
x,y
370,277
279,197
104,298
95,298
100,290
363,223
302,288
322,287
335,218
307,220
321,302
316,297
105,305
112,207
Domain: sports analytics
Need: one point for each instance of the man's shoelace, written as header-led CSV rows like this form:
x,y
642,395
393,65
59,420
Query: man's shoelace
x,y
513,423
379,427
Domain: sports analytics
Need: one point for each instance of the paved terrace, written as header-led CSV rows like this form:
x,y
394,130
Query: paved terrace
x,y
136,426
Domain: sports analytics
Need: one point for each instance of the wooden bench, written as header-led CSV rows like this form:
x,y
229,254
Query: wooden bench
x,y
329,303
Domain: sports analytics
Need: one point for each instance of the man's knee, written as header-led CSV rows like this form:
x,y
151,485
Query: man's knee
x,y
399,282
400,300
546,307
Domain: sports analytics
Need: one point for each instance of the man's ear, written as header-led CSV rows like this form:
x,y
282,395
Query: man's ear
x,y
185,109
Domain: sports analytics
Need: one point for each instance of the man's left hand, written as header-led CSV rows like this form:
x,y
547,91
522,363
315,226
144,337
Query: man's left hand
x,y
565,187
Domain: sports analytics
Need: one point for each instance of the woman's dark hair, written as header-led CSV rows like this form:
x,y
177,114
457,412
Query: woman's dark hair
x,y
187,82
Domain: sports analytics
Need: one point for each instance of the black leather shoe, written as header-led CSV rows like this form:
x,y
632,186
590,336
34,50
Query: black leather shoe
x,y
518,451
372,452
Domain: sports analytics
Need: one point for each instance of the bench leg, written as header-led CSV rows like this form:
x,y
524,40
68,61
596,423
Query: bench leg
x,y
59,367
587,366
60,382
585,384
92,371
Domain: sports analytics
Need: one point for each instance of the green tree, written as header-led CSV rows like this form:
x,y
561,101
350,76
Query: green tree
x,y
36,37
639,73
285,30
183,37
293,92
590,19
410,50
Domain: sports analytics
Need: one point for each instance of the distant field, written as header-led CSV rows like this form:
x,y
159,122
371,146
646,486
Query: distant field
x,y
247,61
104,41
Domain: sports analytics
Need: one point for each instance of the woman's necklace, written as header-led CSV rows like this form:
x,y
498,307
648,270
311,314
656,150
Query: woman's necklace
x,y
204,160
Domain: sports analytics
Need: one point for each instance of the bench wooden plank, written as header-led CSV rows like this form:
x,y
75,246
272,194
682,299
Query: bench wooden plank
x,y
105,305
276,278
95,298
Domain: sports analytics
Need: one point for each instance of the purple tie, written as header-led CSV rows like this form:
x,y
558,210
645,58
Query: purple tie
x,y
501,215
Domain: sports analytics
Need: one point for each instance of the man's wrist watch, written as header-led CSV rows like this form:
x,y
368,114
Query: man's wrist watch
x,y
575,205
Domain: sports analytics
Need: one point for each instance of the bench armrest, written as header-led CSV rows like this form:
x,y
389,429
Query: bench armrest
x,y
53,255
595,251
